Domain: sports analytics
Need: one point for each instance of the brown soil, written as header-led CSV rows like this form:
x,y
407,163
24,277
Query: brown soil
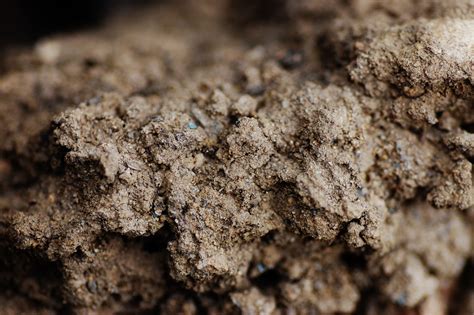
x,y
254,157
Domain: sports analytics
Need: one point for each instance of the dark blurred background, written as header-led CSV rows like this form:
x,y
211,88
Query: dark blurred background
x,y
22,22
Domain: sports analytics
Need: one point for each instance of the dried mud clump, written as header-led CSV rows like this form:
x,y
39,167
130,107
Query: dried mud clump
x,y
214,157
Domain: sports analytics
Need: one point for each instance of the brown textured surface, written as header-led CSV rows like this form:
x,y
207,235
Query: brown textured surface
x,y
215,157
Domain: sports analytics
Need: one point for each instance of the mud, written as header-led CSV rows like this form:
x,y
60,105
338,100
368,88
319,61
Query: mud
x,y
222,157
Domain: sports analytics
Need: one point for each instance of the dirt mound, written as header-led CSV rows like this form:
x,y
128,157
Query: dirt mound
x,y
288,157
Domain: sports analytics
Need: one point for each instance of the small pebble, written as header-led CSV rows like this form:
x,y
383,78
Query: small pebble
x,y
392,210
292,59
192,125
91,286
261,268
155,214
255,90
361,192
401,299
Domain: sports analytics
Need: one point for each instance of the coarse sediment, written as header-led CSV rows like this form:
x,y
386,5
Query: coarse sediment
x,y
197,157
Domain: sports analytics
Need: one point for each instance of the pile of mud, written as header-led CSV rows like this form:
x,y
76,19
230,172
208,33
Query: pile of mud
x,y
227,157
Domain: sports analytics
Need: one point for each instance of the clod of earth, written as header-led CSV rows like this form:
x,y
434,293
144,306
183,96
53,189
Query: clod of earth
x,y
195,158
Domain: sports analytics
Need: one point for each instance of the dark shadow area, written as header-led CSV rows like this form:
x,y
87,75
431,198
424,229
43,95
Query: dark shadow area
x,y
260,10
464,288
22,22
31,276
